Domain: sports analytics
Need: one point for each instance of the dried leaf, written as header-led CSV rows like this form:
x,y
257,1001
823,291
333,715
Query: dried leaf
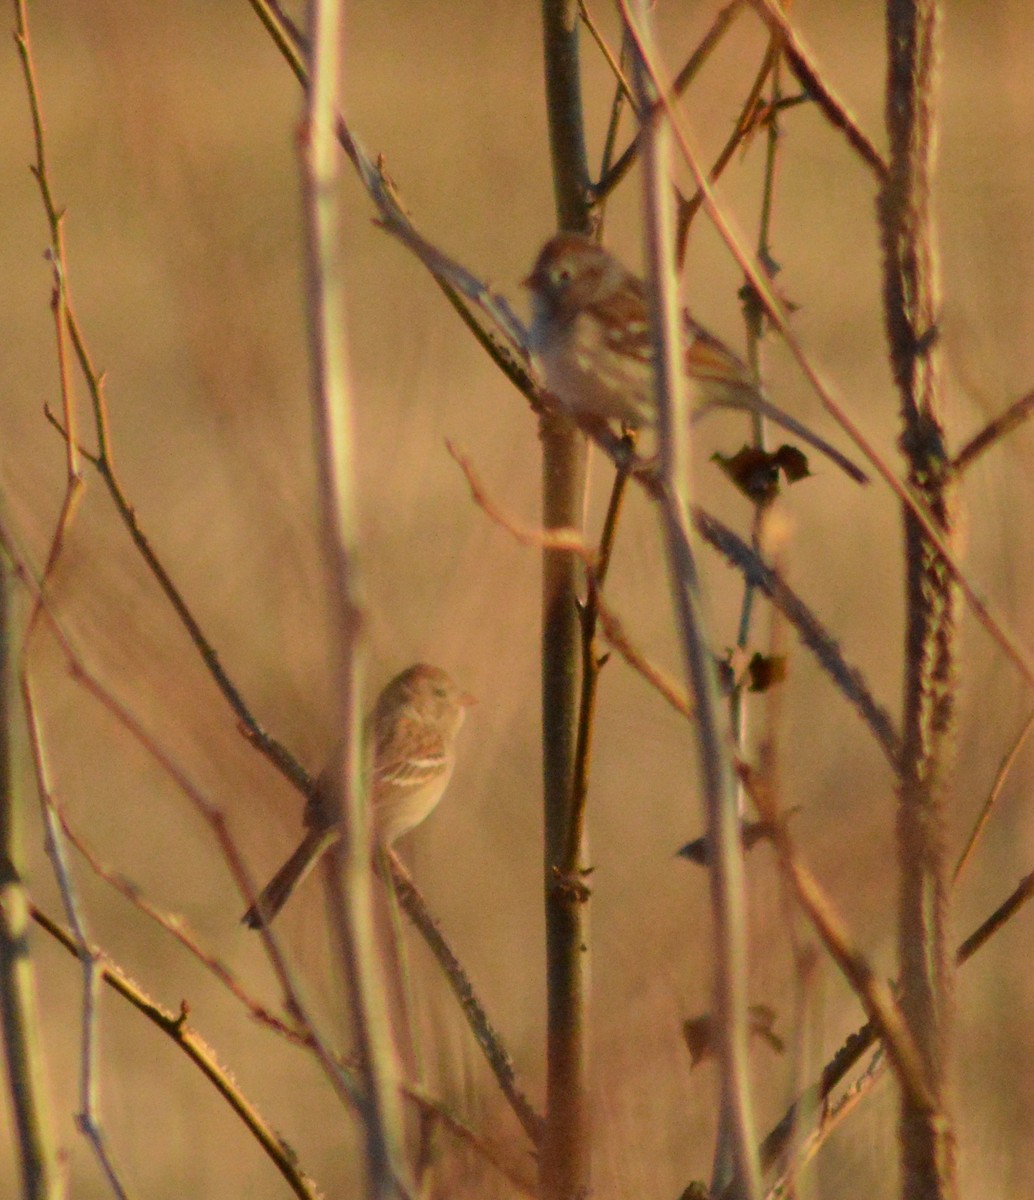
x,y
756,472
751,832
765,671
699,1033
793,463
753,471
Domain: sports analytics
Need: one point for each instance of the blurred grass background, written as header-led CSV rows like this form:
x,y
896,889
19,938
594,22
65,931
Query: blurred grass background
x,y
171,138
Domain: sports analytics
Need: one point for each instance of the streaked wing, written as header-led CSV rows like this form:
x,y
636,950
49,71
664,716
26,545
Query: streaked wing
x,y
412,754
624,322
709,360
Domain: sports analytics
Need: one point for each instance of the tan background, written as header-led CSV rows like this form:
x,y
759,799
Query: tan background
x,y
171,133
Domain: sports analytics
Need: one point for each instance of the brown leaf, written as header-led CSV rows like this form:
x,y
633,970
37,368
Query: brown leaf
x,y
765,671
793,463
753,471
751,832
756,472
699,1035
699,1032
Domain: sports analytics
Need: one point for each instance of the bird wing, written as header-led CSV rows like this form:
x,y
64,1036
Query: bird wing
x,y
709,359
412,754
624,319
276,893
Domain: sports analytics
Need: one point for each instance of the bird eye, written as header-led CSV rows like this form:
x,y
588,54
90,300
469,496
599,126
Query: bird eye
x,y
563,274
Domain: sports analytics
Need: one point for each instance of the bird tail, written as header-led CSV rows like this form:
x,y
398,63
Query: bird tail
x,y
749,399
277,892
725,381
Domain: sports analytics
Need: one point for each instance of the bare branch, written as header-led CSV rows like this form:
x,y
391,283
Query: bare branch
x,y
802,63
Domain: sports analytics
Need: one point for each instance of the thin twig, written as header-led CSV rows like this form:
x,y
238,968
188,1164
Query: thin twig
x,y
1002,774
753,315
850,681
910,499
174,1026
666,687
802,63
830,1117
779,1138
723,19
175,925
347,876
743,128
1014,416
286,36
735,1160
847,679
738,705
876,997
569,540
589,612
572,540
1019,896
624,87
617,108
265,743
23,1043
88,1118
496,1054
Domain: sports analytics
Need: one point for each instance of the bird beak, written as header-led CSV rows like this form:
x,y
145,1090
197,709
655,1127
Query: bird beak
x,y
467,700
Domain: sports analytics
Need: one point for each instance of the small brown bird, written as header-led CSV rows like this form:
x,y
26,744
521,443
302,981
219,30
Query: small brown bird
x,y
412,733
590,343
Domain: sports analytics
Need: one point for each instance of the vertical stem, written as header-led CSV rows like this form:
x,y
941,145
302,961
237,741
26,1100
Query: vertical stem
x,y
591,664
572,189
736,1173
23,1046
348,876
755,317
912,303
565,1159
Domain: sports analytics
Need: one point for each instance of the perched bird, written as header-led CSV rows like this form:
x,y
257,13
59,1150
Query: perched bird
x,y
412,736
590,342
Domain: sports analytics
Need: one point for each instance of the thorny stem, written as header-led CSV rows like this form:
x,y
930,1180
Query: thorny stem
x,y
912,300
